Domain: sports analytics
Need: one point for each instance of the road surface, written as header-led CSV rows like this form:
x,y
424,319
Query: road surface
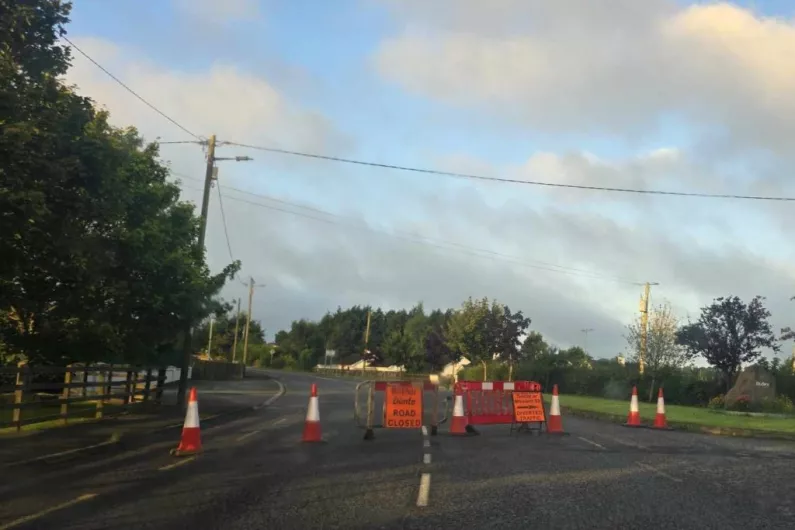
x,y
255,475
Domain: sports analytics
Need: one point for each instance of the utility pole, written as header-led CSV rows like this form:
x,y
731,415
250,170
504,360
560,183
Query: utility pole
x,y
585,344
251,286
237,326
209,175
210,340
366,341
644,324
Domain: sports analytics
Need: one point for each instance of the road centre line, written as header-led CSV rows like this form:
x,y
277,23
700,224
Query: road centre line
x,y
175,464
426,458
248,434
426,443
425,430
425,488
659,472
39,515
586,440
620,441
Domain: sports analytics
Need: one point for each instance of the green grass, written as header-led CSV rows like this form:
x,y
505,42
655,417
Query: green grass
x,y
678,415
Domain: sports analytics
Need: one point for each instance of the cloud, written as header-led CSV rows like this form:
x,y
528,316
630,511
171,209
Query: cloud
x,y
602,67
222,99
555,254
214,12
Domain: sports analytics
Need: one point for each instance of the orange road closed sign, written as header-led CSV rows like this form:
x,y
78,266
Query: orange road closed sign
x,y
403,407
528,407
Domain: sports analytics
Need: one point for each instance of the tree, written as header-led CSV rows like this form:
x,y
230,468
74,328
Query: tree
x,y
729,333
533,347
510,327
467,332
100,260
662,349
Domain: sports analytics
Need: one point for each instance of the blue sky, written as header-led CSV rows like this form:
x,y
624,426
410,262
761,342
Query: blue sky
x,y
357,78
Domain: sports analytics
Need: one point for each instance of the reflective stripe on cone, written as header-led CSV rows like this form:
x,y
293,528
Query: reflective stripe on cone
x,y
190,442
633,419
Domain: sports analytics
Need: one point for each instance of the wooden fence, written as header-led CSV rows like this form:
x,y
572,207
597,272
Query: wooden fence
x,y
37,394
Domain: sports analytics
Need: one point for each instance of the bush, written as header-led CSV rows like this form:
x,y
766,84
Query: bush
x,y
718,402
780,405
742,404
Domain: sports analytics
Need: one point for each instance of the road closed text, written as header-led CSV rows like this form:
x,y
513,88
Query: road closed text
x,y
403,407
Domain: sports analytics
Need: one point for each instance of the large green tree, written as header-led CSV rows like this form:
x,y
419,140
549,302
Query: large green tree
x,y
728,333
100,260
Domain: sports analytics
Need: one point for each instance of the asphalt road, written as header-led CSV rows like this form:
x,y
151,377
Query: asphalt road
x,y
255,474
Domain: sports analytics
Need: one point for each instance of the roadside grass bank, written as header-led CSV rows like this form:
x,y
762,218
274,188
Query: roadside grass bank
x,y
695,419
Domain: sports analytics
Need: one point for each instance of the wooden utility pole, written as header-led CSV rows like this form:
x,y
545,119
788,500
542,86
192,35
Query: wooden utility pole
x,y
644,325
209,175
187,349
210,339
366,341
237,326
248,318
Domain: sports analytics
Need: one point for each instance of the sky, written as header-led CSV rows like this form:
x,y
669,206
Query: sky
x,y
650,95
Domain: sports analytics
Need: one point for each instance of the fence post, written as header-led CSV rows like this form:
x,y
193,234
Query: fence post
x,y
161,380
100,382
128,396
19,392
147,384
67,386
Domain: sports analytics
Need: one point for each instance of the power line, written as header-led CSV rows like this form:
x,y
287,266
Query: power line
x,y
436,243
223,220
453,174
126,87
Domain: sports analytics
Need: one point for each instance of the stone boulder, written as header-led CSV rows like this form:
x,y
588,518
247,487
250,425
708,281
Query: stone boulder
x,y
756,383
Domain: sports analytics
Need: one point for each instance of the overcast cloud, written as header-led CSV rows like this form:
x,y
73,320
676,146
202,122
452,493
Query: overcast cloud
x,y
646,95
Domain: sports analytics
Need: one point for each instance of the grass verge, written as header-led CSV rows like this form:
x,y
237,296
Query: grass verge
x,y
679,417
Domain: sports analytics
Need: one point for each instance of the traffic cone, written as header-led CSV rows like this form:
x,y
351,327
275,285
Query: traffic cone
x,y
312,424
555,422
190,443
659,420
633,420
459,425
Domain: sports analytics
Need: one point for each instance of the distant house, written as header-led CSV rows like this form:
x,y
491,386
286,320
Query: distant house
x,y
452,369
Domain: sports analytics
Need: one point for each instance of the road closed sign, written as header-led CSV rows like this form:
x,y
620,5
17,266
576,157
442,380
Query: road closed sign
x,y
528,407
403,407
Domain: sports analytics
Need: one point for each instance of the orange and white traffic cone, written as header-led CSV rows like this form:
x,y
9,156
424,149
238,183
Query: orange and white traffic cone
x,y
633,420
191,442
659,420
459,425
555,422
312,424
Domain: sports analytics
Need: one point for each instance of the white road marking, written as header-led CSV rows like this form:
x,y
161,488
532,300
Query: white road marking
x,y
426,443
247,435
177,464
586,440
620,441
426,458
661,473
280,420
425,489
33,517
425,430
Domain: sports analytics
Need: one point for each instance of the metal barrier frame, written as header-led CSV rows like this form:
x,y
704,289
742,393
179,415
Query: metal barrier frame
x,y
380,386
505,387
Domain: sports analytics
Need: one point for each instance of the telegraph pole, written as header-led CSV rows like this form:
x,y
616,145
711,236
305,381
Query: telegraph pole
x,y
210,340
237,326
251,286
209,175
644,324
366,341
